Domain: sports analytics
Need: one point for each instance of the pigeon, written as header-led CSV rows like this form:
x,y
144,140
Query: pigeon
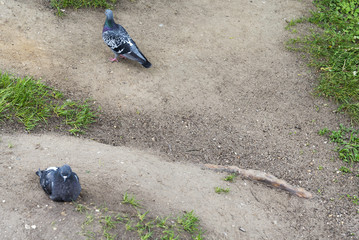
x,y
116,37
61,183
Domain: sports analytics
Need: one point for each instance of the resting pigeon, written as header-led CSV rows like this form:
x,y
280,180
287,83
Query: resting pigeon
x,y
116,37
61,183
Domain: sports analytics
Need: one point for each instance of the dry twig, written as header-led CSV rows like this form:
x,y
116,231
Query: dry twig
x,y
262,177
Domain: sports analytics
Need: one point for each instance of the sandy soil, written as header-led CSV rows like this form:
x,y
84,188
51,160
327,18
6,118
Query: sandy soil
x,y
223,89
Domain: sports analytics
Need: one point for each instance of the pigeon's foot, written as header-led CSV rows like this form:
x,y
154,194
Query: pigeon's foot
x,y
113,60
123,57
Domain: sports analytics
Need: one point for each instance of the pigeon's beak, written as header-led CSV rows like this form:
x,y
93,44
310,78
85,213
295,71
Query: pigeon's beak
x,y
65,177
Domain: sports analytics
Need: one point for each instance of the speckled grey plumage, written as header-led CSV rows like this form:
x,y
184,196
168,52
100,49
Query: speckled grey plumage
x,y
60,183
120,42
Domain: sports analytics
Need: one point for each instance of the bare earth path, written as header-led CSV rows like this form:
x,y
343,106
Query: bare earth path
x,y
223,89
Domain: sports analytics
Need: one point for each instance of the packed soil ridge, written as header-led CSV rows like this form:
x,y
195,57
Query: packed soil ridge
x,y
223,89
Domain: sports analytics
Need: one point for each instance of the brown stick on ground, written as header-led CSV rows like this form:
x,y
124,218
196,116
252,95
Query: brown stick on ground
x,y
263,177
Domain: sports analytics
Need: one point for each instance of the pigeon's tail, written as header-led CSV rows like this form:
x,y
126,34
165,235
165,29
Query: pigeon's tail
x,y
136,55
39,173
147,64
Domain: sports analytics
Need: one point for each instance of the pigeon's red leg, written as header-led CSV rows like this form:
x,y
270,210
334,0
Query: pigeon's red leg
x,y
113,60
121,56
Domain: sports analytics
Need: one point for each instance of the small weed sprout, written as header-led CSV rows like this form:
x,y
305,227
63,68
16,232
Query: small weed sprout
x,y
80,208
220,190
130,200
230,178
89,219
189,222
108,222
169,235
141,217
129,226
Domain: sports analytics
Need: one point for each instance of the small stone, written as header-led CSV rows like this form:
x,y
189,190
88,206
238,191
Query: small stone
x,y
27,226
33,226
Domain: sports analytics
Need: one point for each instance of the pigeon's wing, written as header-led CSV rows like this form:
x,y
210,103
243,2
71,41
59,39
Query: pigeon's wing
x,y
57,187
117,42
66,191
76,186
47,179
136,55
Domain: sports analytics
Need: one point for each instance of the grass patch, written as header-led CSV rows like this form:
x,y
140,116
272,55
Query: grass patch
x,y
133,223
332,49
347,140
59,5
30,102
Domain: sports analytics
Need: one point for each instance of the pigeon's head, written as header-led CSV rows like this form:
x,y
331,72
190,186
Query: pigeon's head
x,y
109,14
65,172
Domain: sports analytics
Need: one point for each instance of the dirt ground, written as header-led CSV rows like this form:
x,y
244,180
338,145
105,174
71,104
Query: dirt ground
x,y
223,89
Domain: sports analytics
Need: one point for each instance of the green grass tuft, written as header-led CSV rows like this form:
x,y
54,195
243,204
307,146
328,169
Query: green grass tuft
x,y
130,200
79,207
333,51
230,178
354,199
220,190
31,102
189,222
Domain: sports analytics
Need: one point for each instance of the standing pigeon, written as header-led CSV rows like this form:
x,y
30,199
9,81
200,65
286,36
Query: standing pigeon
x,y
116,37
61,183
